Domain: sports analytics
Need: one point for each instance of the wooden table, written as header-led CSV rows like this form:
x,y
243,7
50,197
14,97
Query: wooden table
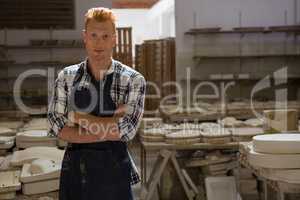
x,y
157,146
167,154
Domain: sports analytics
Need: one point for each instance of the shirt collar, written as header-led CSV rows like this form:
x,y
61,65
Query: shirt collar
x,y
86,78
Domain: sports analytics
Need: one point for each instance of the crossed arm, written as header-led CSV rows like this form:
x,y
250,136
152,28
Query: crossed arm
x,y
89,128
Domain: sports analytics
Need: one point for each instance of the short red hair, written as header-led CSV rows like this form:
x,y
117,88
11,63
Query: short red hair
x,y
100,14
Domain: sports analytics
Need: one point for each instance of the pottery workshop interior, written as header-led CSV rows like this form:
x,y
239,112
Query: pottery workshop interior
x,y
203,99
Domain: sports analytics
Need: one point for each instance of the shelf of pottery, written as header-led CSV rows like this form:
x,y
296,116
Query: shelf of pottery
x,y
224,131
244,44
204,111
228,129
219,166
272,146
29,159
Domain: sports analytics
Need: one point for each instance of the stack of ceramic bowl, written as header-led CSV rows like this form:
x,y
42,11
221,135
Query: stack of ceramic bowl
x,y
153,135
4,131
14,125
36,124
214,133
277,156
33,138
245,134
254,122
189,126
150,122
231,122
185,136
172,127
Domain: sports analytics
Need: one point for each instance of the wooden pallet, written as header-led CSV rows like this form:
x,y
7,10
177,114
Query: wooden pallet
x,y
155,59
123,49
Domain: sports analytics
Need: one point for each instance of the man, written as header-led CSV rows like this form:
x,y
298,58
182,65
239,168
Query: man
x,y
104,100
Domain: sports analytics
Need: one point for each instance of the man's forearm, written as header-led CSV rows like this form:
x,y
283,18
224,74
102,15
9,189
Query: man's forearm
x,y
86,120
95,124
78,134
90,129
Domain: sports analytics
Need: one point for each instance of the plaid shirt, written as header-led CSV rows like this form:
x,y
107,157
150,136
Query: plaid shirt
x,y
128,87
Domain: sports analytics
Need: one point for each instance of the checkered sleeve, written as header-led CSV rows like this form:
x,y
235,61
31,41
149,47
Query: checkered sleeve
x,y
57,109
128,124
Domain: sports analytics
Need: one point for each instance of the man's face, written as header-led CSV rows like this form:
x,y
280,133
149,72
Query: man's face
x,y
99,39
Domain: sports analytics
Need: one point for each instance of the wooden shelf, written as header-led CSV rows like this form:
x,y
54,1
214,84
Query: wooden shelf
x,y
40,64
44,47
26,94
7,62
196,32
251,78
245,56
55,63
35,77
160,145
241,30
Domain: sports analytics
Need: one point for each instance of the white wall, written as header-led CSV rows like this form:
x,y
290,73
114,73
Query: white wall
x,y
162,19
155,23
137,19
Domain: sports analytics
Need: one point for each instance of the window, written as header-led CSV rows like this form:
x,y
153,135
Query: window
x,y
37,14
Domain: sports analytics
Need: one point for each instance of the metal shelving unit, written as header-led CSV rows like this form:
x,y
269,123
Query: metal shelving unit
x,y
241,32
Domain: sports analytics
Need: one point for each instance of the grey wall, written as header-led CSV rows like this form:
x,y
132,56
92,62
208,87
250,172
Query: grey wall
x,y
23,37
228,14
19,37
35,88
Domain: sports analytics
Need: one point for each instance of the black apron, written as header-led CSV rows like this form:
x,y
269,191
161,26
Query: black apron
x,y
100,170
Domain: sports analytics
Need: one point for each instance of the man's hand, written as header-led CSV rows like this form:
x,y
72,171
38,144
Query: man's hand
x,y
71,119
74,117
83,127
121,111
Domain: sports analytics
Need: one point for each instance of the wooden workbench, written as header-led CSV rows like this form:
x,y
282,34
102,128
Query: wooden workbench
x,y
157,146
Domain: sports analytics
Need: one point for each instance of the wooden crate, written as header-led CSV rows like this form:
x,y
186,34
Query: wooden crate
x,y
133,3
123,49
155,59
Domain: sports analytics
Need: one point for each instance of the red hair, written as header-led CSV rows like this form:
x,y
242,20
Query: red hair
x,y
100,14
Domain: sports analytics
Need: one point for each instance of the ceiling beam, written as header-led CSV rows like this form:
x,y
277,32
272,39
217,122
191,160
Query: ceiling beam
x,y
134,4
